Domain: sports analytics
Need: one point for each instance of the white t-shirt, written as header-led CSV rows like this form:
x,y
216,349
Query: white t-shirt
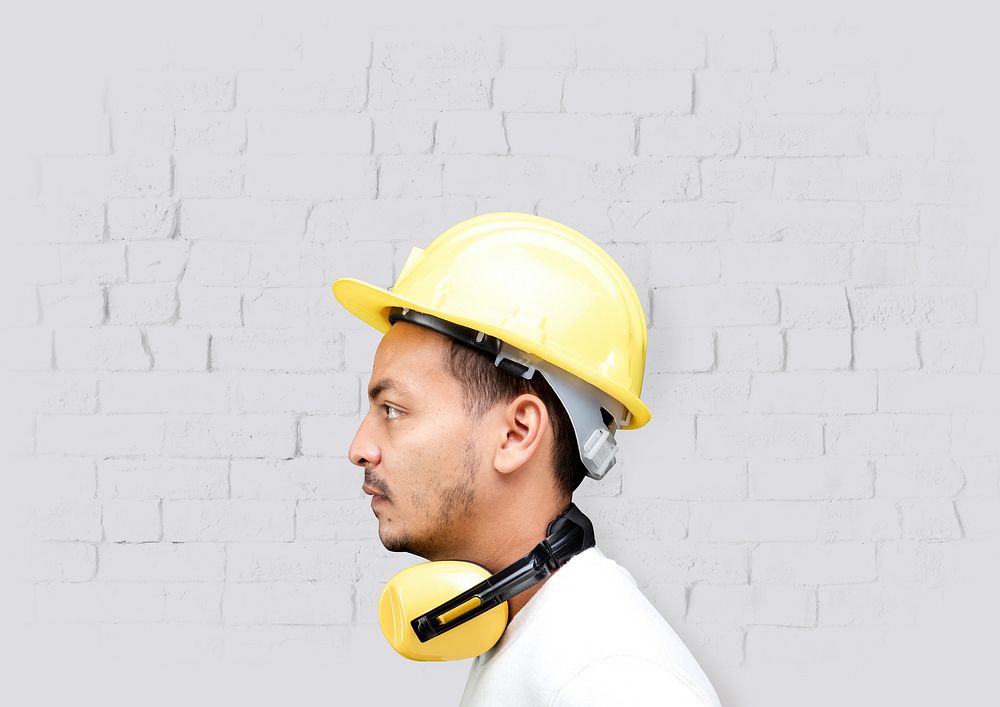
x,y
588,637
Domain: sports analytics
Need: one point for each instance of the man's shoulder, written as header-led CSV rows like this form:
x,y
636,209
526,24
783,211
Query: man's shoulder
x,y
591,626
596,611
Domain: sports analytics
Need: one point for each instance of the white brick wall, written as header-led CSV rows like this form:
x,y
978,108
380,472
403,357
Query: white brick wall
x,y
800,206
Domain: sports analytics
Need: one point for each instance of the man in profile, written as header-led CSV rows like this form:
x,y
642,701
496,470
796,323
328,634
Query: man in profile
x,y
513,350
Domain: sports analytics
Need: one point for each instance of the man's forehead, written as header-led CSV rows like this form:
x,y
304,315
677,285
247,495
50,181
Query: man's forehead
x,y
408,359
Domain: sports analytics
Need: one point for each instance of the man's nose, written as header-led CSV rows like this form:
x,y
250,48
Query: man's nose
x,y
363,450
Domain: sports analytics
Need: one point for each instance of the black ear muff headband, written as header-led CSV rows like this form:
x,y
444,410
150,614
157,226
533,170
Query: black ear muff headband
x,y
568,535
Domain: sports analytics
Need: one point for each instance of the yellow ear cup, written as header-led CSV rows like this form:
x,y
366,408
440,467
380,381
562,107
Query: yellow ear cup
x,y
419,589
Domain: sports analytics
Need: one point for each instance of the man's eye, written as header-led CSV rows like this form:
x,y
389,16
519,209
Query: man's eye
x,y
389,414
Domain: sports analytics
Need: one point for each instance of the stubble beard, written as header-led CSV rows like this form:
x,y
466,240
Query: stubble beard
x,y
455,503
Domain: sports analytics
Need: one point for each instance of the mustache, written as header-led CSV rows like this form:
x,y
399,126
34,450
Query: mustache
x,y
376,484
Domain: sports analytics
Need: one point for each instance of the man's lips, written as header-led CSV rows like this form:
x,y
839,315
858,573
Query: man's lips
x,y
373,492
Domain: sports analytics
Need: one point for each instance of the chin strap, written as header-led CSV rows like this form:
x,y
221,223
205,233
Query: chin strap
x,y
568,535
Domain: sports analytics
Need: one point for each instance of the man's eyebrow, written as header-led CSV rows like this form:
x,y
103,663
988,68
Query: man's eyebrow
x,y
384,384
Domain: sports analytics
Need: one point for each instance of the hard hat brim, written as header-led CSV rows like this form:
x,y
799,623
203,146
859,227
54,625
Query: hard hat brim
x,y
371,304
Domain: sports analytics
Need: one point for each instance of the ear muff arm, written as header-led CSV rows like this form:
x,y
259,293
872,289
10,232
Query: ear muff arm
x,y
568,535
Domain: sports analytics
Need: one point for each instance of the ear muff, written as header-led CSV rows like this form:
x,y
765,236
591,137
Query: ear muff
x,y
419,589
452,610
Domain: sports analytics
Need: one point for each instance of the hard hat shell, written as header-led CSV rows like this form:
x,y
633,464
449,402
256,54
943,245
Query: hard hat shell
x,y
532,282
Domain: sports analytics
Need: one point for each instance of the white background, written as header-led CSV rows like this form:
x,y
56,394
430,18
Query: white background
x,y
800,198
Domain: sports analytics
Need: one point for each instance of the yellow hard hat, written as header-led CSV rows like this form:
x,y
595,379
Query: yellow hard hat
x,y
535,284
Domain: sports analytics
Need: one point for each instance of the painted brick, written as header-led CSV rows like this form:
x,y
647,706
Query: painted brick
x,y
732,179
689,479
151,303
288,603
647,48
892,349
837,179
309,177
688,136
193,602
882,265
531,48
888,434
775,604
145,132
251,435
749,49
61,562
802,137
917,476
328,436
535,90
208,306
939,392
171,91
798,221
929,519
446,88
715,304
693,393
789,436
335,520
637,221
567,135
167,478
784,262
301,477
241,220
59,477
813,563
64,520
176,348
683,264
291,562
131,520
899,135
268,392
951,349
814,92
754,521
750,348
325,133
227,521
141,219
156,261
471,132
207,176
599,91
645,179
409,176
681,350
668,436
73,305
163,392
811,479
403,131
101,348
818,349
269,350
298,90
99,435
814,306
354,224
209,133
92,263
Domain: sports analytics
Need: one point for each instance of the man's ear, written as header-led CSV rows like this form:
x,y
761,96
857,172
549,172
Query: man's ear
x,y
525,422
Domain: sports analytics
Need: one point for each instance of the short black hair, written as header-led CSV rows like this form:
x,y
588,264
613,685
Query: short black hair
x,y
486,386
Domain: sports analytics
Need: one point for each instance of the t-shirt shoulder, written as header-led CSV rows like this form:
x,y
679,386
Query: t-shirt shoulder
x,y
629,680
